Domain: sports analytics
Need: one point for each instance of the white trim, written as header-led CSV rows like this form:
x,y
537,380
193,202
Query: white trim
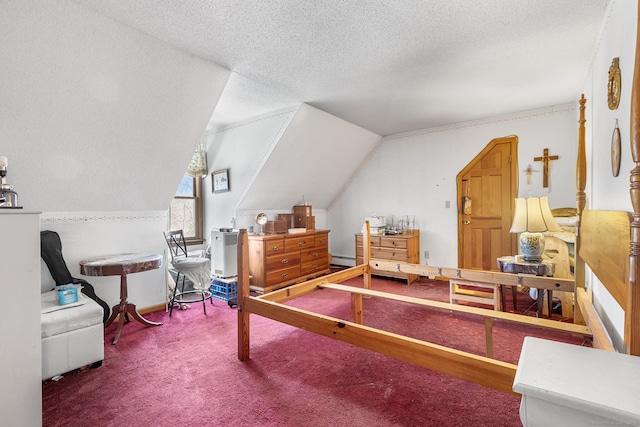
x,y
101,217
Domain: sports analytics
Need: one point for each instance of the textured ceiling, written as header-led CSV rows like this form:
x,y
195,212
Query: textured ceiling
x,y
388,66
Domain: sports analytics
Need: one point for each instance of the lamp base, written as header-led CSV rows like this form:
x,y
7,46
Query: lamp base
x,y
532,246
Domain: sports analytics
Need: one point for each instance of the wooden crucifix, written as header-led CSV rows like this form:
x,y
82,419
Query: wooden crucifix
x,y
545,159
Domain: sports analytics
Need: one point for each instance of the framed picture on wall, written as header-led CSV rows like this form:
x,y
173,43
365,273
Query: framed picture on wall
x,y
220,181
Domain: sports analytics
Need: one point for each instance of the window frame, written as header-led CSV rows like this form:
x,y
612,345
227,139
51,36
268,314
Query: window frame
x,y
198,239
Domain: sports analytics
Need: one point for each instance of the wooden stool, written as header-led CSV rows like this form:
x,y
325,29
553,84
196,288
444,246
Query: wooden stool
x,y
474,295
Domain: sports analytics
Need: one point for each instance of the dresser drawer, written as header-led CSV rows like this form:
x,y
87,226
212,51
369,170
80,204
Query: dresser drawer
x,y
314,266
321,241
392,242
277,276
298,243
275,246
276,262
375,240
313,254
390,254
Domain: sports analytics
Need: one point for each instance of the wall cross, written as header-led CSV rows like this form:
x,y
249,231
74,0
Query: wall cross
x,y
545,159
529,171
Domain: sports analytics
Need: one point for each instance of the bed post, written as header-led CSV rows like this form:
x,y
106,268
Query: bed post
x,y
366,253
356,299
243,292
581,198
632,310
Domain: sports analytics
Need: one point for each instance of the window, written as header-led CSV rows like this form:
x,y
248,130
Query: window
x,y
186,210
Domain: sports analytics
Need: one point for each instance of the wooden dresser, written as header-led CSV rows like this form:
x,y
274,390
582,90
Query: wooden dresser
x,y
279,260
400,247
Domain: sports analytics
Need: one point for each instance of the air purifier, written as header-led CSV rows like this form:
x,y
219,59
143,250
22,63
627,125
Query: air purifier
x,y
224,253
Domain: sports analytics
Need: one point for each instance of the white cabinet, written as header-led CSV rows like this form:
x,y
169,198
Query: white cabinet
x,y
20,358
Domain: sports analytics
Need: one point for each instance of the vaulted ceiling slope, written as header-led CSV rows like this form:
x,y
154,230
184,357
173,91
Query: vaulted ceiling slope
x,y
314,158
96,116
387,66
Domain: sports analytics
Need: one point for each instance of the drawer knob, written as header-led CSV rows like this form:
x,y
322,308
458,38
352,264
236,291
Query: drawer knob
x,y
300,243
315,267
275,248
285,274
314,254
284,261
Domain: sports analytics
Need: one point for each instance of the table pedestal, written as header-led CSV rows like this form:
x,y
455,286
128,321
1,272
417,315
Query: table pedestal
x,y
123,309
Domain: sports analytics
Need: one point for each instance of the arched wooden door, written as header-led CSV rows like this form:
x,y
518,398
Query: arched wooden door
x,y
486,189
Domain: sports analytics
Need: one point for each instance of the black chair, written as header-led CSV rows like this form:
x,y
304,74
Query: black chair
x,y
197,269
51,252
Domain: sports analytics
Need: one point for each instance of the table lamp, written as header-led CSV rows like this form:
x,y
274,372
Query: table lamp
x,y
531,219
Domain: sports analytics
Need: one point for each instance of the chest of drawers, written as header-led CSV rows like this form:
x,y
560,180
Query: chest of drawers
x,y
276,261
400,247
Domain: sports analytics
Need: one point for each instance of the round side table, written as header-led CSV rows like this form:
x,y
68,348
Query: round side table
x,y
121,265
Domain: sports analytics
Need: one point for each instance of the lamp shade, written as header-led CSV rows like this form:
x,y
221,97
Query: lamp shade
x,y
533,215
198,166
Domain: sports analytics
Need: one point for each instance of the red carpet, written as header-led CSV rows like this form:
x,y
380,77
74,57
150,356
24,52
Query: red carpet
x,y
186,372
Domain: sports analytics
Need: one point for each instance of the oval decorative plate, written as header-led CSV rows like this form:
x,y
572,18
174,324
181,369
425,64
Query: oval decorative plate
x,y
615,150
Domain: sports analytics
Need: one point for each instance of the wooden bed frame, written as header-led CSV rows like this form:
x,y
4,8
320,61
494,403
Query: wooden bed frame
x,y
601,252
478,369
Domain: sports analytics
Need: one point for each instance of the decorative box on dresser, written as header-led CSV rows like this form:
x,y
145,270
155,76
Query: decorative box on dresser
x,y
399,247
279,260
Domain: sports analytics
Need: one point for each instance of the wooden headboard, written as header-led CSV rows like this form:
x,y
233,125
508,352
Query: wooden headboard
x,y
605,249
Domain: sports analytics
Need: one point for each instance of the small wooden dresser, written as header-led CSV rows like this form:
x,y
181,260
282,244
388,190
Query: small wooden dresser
x,y
399,247
279,260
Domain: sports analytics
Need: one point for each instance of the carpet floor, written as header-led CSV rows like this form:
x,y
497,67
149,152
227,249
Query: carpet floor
x,y
186,372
